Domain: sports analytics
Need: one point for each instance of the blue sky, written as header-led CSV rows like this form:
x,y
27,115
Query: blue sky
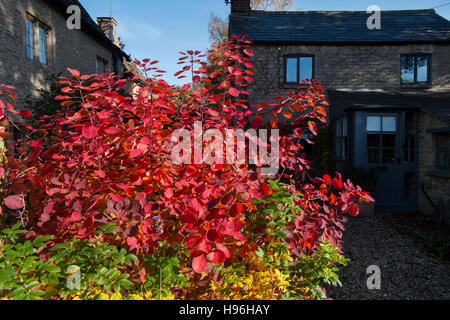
x,y
159,29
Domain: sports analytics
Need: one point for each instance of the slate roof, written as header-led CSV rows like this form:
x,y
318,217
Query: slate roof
x,y
87,24
435,103
412,26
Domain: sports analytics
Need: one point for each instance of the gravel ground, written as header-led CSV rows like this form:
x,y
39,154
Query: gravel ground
x,y
408,270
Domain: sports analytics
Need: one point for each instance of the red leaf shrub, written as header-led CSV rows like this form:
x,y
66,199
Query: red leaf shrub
x,y
109,161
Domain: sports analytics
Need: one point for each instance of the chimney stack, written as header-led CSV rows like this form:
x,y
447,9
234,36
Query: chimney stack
x,y
240,6
109,27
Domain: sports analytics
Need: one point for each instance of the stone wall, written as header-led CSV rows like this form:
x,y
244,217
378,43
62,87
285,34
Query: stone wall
x,y
350,67
435,183
67,48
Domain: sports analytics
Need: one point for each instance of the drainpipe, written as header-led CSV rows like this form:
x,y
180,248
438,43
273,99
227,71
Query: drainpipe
x,y
422,187
116,64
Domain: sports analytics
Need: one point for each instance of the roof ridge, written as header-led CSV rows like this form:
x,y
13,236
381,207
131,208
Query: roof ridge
x,y
343,11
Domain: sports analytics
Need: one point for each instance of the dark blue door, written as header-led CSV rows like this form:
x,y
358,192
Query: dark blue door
x,y
382,140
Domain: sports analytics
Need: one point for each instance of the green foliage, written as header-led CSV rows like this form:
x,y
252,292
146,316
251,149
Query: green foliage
x,y
22,273
307,272
282,211
165,274
24,276
308,275
104,269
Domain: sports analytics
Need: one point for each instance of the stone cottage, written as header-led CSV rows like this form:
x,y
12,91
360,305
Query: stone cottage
x,y
35,42
389,91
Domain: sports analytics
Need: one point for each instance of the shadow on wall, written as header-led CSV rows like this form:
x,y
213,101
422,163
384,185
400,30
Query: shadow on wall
x,y
16,69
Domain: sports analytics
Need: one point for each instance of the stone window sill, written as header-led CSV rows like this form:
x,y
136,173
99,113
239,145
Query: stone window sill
x,y
417,86
285,85
439,173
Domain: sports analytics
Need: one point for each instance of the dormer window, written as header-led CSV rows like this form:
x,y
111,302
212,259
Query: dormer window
x,y
416,68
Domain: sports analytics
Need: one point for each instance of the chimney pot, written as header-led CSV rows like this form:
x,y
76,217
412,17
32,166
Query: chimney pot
x,y
240,6
109,27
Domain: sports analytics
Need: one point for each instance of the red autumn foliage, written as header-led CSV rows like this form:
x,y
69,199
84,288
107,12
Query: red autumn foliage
x,y
109,161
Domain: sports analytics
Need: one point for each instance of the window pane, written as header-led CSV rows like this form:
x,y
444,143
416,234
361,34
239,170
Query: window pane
x,y
373,140
339,148
389,124
373,123
344,148
388,140
344,126
338,128
30,44
42,46
306,64
291,69
422,69
407,69
111,33
443,153
373,155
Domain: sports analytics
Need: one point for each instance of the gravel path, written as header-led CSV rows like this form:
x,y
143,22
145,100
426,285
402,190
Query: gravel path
x,y
407,270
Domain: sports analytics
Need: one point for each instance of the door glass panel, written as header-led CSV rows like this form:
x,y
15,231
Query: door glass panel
x,y
389,124
388,156
388,140
291,69
373,155
373,140
373,123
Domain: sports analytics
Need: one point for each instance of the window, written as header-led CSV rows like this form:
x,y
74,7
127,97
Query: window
x,y
42,45
415,68
381,139
101,65
298,68
30,39
111,32
443,151
341,138
37,39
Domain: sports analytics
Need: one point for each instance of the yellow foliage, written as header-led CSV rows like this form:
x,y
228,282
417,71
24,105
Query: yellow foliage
x,y
97,294
258,283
